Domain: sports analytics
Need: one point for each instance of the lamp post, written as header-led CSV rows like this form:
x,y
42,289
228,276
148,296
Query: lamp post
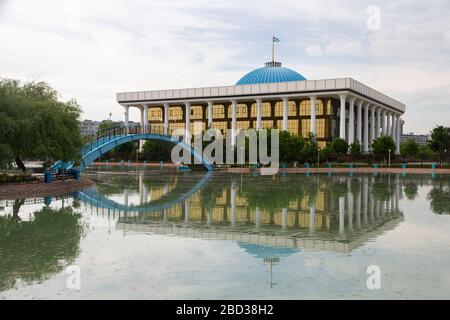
x,y
389,161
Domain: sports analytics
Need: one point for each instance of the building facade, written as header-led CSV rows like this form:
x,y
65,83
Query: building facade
x,y
420,139
273,97
89,127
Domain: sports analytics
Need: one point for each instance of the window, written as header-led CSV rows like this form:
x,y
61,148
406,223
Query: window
x,y
321,128
306,127
197,127
218,111
241,111
221,126
175,113
155,114
196,113
305,107
292,109
266,124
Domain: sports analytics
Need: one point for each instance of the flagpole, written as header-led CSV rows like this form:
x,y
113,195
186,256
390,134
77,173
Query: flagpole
x,y
273,50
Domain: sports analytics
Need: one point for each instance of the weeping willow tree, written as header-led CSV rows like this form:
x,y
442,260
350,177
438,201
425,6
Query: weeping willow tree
x,y
33,250
36,124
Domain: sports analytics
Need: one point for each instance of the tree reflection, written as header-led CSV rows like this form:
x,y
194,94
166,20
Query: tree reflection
x,y
439,198
410,191
33,250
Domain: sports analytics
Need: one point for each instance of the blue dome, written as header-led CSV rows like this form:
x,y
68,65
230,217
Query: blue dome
x,y
272,72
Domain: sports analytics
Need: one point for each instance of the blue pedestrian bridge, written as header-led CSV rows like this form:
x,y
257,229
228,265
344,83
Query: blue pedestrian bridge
x,y
106,140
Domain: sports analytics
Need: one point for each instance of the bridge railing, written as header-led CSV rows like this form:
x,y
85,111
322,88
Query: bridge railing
x,y
109,134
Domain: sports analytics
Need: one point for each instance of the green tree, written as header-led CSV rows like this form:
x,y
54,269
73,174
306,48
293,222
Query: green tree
x,y
157,150
424,152
440,141
409,149
339,146
383,145
308,152
6,156
33,250
36,124
355,149
326,152
290,146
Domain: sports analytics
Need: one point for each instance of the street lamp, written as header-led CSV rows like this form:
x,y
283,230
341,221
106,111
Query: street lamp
x,y
389,161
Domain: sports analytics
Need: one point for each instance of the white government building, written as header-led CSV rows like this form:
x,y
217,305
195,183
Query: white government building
x,y
274,97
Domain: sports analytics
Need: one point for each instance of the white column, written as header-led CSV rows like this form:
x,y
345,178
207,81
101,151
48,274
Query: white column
x,y
366,128
397,151
342,216
187,113
372,124
284,218
127,122
186,211
257,217
388,123
258,113
342,117
142,120
378,127
233,203
358,122
313,115
312,219
383,122
166,118
233,121
210,114
285,113
145,117
351,121
350,210
393,126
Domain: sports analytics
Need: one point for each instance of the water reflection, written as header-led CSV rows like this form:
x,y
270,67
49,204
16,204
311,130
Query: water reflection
x,y
270,218
32,250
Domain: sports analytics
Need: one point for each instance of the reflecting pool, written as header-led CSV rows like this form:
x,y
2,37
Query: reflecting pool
x,y
152,234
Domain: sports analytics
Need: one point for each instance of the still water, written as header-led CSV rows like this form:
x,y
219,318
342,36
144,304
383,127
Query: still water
x,y
194,235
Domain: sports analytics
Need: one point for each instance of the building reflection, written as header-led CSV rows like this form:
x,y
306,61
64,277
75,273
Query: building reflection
x,y
339,213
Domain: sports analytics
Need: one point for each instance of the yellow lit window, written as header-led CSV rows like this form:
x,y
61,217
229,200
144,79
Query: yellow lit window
x,y
218,111
155,114
266,124
321,128
242,124
292,109
306,127
196,113
175,113
197,127
220,125
241,111
266,110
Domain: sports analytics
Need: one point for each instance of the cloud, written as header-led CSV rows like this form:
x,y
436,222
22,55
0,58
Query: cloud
x,y
91,50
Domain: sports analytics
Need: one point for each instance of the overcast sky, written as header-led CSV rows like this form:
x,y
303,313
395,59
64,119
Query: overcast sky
x,y
89,50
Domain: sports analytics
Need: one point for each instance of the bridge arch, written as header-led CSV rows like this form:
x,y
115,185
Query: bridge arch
x,y
96,149
92,196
